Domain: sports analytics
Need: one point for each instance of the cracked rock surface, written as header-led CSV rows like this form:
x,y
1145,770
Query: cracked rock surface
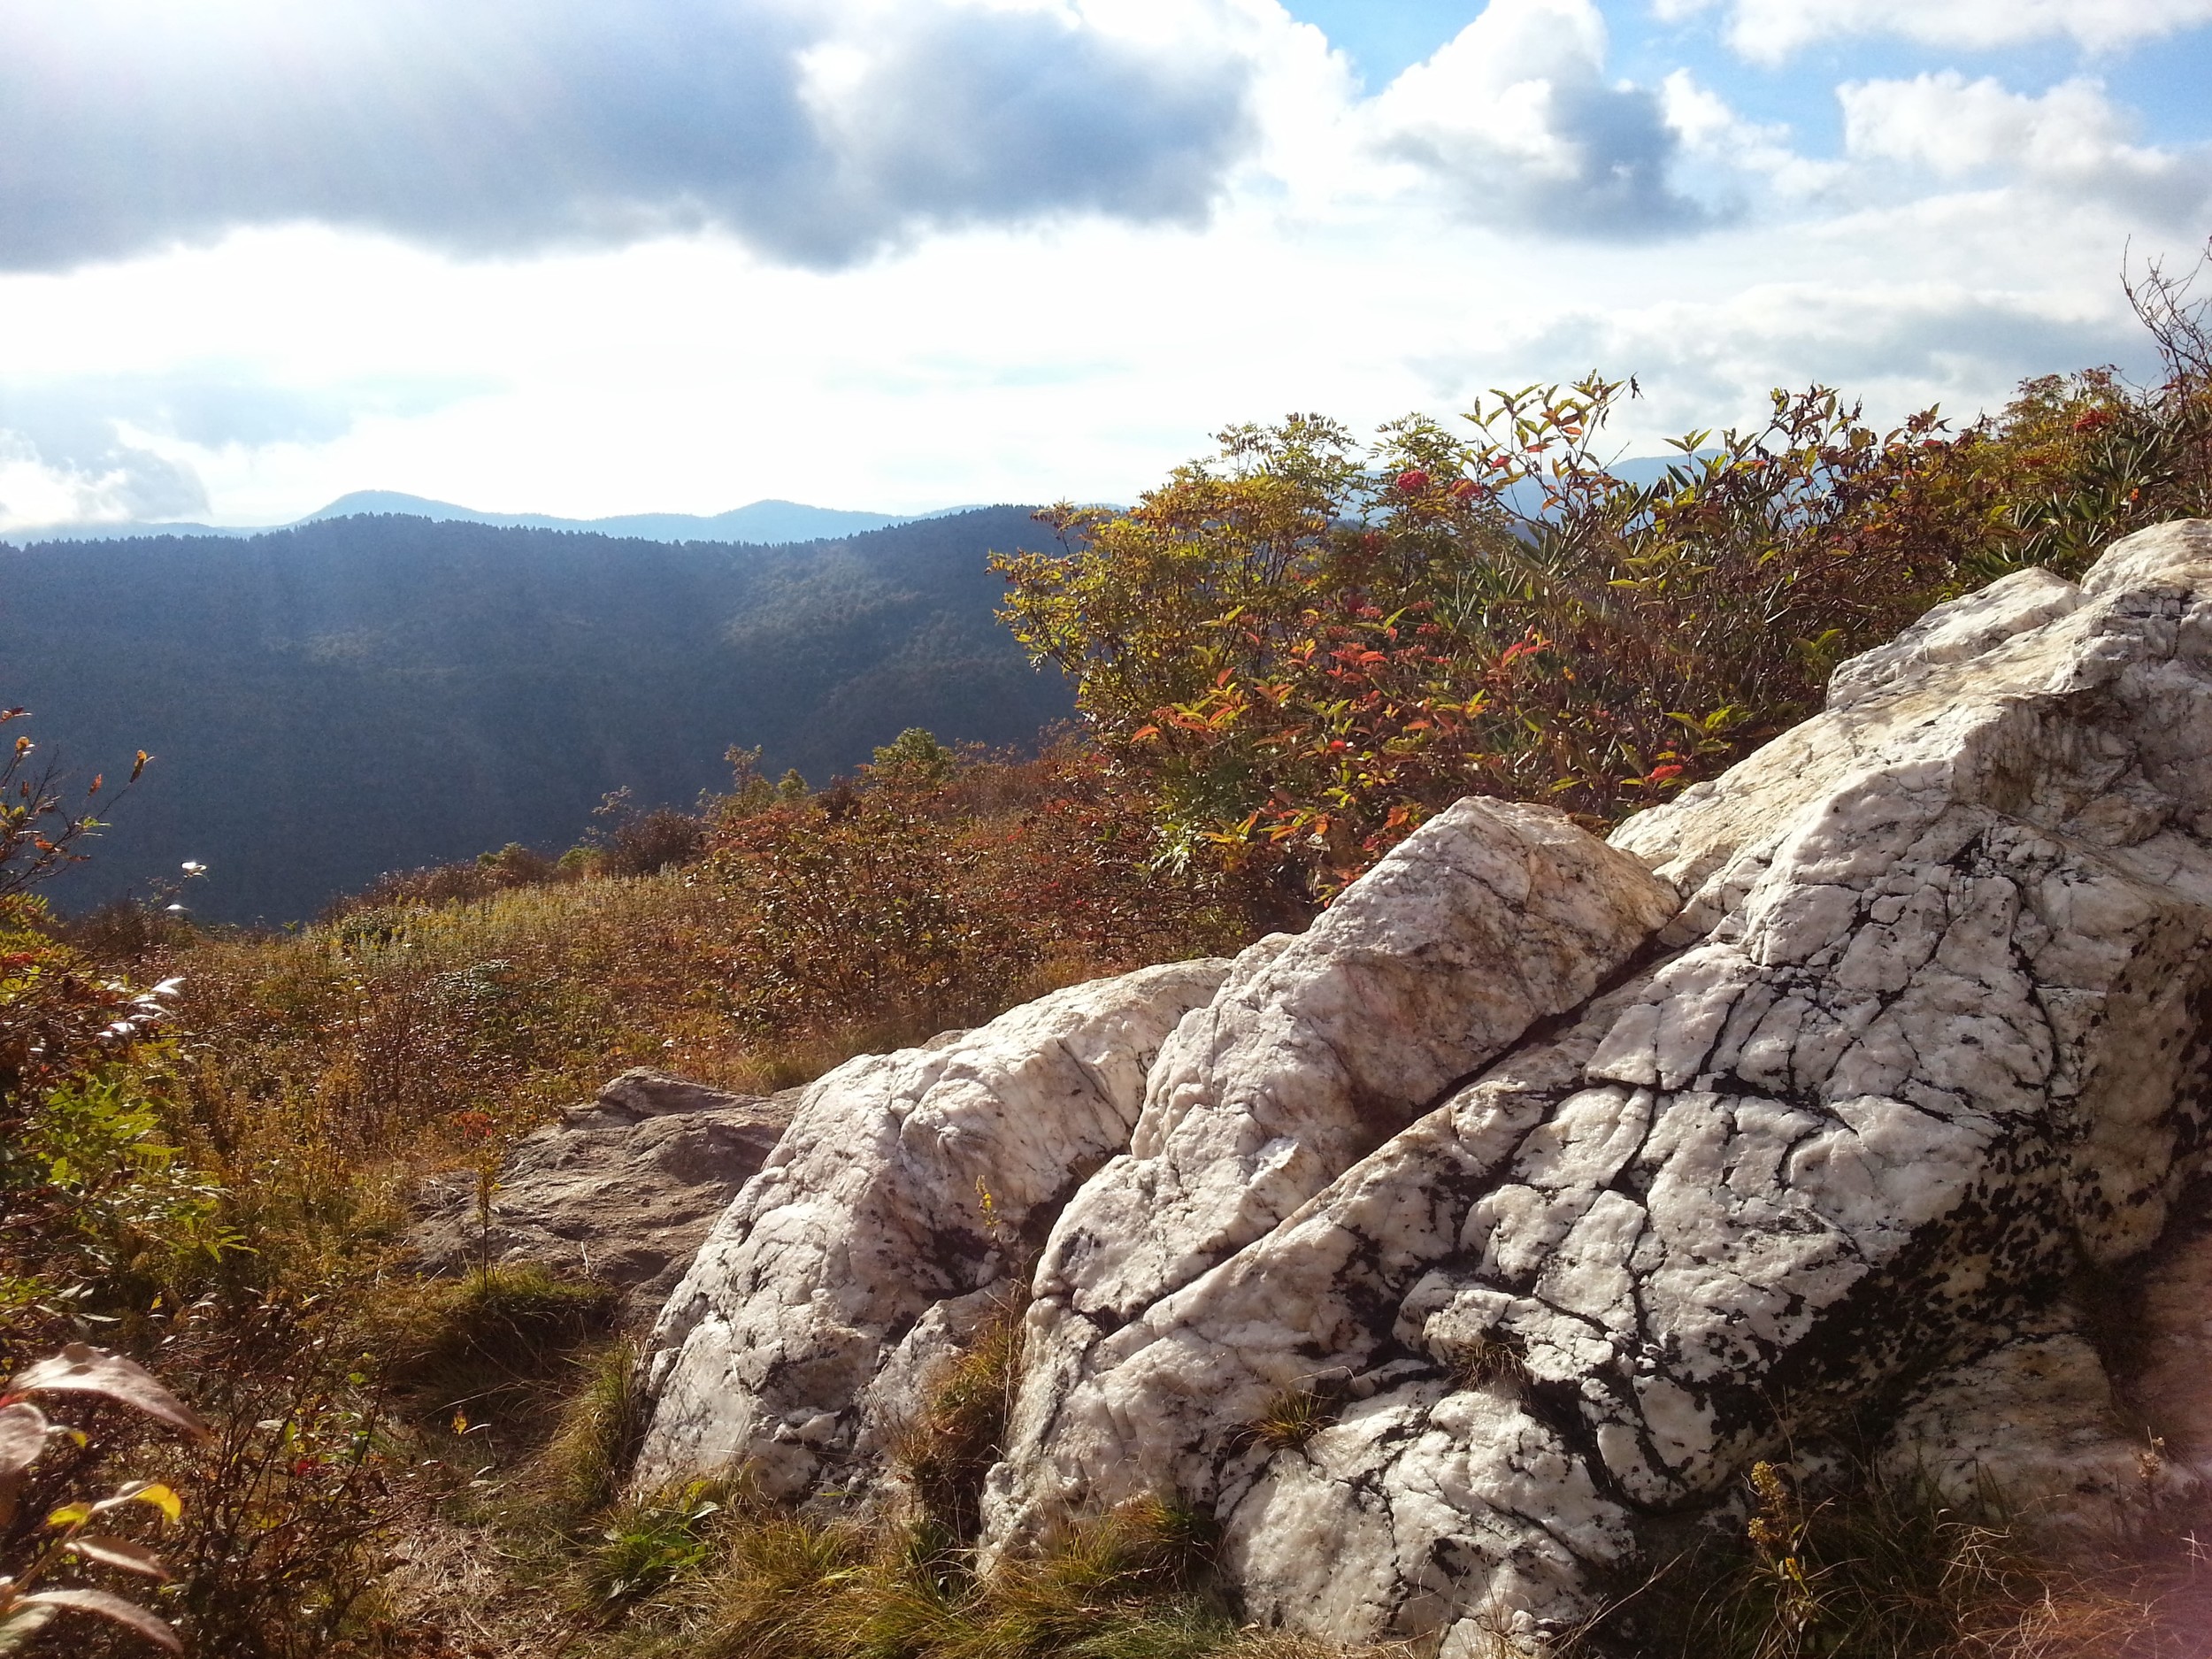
x,y
1561,1180
904,1190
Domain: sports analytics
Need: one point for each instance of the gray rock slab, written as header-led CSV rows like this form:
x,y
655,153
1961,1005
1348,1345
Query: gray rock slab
x,y
624,1189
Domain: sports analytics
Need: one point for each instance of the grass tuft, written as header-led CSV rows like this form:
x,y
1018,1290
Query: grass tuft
x,y
649,1541
596,1436
1294,1415
946,1453
493,1343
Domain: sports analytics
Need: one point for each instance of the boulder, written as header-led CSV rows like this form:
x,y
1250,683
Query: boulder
x,y
1491,917
1467,1247
1488,919
908,1189
622,1189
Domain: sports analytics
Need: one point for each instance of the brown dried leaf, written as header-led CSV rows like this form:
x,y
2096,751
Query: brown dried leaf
x,y
103,1605
83,1369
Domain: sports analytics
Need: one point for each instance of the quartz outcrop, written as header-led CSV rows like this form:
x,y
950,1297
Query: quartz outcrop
x,y
906,1189
1554,1181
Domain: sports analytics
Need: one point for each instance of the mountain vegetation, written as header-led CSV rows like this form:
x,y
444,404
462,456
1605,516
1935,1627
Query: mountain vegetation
x,y
340,700
1310,645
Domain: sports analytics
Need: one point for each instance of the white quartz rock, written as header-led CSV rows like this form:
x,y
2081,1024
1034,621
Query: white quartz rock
x,y
1547,1226
2034,1418
1929,1045
1965,627
905,1181
1490,918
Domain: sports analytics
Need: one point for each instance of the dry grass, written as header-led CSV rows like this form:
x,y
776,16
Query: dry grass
x,y
319,1074
596,1438
1889,1570
946,1453
1294,1415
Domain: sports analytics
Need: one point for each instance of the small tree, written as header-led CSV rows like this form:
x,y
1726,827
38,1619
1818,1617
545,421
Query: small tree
x,y
913,760
38,835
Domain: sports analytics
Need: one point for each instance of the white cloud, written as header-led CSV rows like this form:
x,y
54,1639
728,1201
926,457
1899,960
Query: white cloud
x,y
2069,141
126,481
1506,212
821,131
1516,115
1954,127
1769,31
1724,143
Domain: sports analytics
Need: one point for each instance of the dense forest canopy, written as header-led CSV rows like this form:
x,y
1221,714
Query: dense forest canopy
x,y
341,699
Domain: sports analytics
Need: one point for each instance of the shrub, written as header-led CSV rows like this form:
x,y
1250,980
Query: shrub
x,y
45,1540
897,908
1310,645
290,1544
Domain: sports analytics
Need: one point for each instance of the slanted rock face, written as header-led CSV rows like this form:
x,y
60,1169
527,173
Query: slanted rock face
x,y
1494,916
906,1186
623,1189
1491,918
1557,1225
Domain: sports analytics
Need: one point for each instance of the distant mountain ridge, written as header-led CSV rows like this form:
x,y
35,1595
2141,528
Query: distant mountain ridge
x,y
766,523
379,691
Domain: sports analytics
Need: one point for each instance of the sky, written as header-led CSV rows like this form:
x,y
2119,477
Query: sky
x,y
560,256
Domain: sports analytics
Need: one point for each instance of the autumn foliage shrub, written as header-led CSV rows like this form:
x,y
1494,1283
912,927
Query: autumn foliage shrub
x,y
1311,644
945,889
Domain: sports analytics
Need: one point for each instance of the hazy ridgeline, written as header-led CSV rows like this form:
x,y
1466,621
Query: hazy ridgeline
x,y
335,701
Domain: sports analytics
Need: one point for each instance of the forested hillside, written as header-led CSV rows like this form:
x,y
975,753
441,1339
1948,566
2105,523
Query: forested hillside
x,y
341,699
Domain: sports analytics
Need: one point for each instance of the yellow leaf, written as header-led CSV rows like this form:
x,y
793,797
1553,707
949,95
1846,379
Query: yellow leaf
x,y
154,1493
70,1514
